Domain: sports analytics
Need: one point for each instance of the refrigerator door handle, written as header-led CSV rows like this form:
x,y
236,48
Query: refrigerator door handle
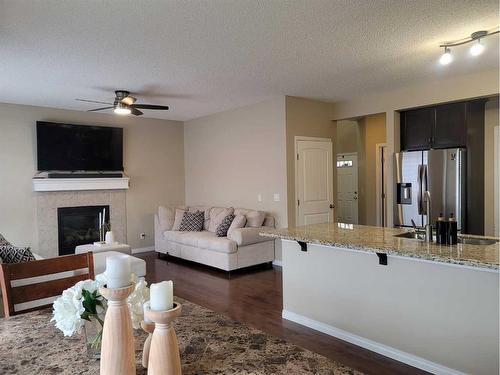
x,y
419,183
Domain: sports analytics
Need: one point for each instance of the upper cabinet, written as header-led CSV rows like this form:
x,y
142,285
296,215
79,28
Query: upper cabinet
x,y
450,128
442,126
416,129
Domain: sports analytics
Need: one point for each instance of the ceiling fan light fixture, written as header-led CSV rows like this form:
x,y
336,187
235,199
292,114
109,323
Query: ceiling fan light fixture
x,y
122,109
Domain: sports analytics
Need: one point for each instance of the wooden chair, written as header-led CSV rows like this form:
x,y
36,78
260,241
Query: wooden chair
x,y
48,269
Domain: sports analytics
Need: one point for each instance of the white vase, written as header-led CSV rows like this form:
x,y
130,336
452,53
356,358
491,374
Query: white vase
x,y
110,237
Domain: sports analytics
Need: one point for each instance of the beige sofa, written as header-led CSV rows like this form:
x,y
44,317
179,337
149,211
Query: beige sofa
x,y
243,247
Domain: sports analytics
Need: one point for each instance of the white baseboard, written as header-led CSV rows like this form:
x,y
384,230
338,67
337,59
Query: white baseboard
x,y
277,263
385,350
143,249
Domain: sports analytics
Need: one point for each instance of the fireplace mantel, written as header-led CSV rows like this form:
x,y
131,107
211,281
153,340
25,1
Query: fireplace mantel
x,y
71,184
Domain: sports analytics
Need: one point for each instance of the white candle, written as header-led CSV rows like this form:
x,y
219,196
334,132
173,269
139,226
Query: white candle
x,y
100,220
146,306
118,271
103,216
162,296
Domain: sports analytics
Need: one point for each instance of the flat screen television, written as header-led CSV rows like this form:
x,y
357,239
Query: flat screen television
x,y
67,147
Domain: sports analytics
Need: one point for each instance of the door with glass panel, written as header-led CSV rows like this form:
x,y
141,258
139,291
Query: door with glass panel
x,y
347,188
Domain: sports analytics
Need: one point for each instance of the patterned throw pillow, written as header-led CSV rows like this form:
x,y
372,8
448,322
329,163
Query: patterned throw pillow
x,y
192,221
3,241
224,226
12,254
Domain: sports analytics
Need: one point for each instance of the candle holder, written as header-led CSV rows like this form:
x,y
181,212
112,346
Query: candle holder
x,y
164,357
148,327
117,348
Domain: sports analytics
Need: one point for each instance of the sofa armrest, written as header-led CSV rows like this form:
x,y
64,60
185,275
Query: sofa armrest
x,y
248,235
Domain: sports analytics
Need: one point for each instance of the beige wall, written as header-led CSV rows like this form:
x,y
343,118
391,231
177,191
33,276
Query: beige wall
x,y
490,121
373,133
476,85
310,118
153,159
231,157
348,137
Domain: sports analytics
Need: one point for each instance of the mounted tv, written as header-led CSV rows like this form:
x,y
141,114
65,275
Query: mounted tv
x,y
66,147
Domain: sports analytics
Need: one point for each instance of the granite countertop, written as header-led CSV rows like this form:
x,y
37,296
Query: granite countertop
x,y
382,240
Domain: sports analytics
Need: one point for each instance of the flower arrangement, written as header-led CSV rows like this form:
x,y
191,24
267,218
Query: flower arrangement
x,y
82,302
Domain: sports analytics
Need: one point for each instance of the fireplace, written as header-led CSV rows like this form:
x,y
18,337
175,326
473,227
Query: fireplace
x,y
78,226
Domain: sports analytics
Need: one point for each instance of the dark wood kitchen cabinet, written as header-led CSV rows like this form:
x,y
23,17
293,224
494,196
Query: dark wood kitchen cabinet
x,y
441,126
416,129
450,126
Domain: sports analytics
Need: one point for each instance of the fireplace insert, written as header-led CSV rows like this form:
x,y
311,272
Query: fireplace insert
x,y
78,226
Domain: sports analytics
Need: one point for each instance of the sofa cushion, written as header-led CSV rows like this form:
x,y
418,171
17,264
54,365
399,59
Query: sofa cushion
x,y
206,211
13,254
224,226
217,214
179,214
238,222
204,240
192,221
166,217
255,218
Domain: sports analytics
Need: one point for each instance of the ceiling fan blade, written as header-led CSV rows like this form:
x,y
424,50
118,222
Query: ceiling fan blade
x,y
92,101
149,106
135,111
99,109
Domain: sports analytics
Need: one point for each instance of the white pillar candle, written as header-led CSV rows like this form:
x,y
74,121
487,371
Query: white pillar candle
x,y
118,271
162,296
146,306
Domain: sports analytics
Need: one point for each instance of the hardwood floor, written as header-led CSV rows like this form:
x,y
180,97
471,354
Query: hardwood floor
x,y
254,297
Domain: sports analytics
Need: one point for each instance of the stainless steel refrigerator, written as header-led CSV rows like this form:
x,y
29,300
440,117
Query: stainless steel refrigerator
x,y
442,173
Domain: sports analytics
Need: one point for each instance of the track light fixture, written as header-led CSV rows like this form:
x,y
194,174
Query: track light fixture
x,y
476,49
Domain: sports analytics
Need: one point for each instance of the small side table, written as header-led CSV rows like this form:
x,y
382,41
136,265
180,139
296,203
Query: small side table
x,y
119,247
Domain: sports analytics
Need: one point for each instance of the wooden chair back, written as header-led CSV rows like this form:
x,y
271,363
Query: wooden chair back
x,y
13,295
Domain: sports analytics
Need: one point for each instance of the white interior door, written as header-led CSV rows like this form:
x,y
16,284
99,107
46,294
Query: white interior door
x,y
347,188
314,181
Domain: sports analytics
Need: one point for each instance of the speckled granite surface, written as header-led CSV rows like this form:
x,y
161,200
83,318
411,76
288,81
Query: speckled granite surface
x,y
210,343
377,239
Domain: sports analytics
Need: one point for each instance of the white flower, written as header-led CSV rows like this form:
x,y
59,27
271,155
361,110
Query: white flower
x,y
67,312
136,300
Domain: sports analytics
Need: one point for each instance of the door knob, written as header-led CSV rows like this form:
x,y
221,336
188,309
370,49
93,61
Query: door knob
x,y
355,197
332,206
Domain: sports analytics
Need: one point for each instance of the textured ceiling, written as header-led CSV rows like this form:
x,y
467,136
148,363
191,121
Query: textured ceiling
x,y
202,57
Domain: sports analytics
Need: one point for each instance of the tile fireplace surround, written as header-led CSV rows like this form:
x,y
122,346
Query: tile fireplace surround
x,y
47,204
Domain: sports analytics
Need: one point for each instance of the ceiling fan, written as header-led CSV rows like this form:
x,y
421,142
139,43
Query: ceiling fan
x,y
124,104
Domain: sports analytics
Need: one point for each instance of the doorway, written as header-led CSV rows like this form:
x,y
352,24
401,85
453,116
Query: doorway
x,y
313,180
347,188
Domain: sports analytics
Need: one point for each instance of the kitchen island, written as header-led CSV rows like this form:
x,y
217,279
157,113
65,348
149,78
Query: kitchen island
x,y
433,306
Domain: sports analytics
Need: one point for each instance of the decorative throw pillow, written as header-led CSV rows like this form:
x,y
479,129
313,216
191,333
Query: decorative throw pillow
x,y
166,217
255,218
3,241
12,254
192,221
179,214
216,220
224,226
238,222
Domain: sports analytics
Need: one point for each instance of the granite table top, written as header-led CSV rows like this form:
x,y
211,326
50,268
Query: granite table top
x,y
383,240
209,343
